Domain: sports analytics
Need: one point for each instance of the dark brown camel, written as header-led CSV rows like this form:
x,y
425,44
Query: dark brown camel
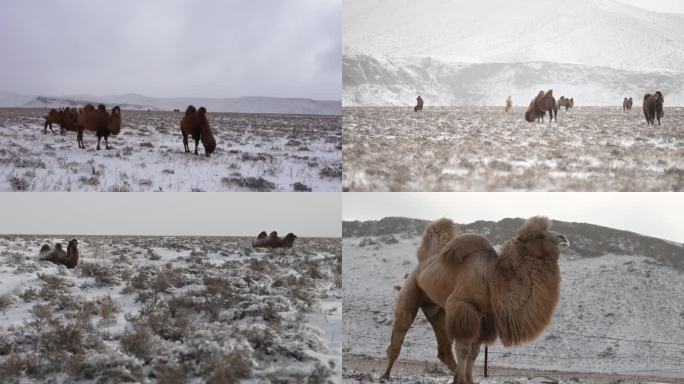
x,y
195,124
653,107
273,241
419,105
547,103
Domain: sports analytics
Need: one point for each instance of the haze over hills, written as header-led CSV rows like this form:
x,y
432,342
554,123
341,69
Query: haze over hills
x,y
599,50
587,240
250,104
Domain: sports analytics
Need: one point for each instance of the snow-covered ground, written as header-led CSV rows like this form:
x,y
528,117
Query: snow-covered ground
x,y
254,153
617,315
483,148
171,310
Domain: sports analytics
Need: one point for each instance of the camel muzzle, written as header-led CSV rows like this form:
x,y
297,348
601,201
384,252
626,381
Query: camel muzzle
x,y
563,241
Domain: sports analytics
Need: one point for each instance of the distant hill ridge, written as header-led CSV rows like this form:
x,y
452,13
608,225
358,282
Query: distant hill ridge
x,y
587,240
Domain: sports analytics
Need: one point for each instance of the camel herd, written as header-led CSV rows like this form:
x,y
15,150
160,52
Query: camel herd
x,y
471,295
106,123
273,241
545,102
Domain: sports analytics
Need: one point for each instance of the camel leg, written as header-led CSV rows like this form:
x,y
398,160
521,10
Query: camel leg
x,y
405,312
474,352
435,315
196,144
185,144
98,142
107,142
463,327
79,139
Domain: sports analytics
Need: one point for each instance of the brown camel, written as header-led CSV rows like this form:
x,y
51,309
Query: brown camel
x,y
509,104
419,105
273,241
99,121
53,117
627,104
653,107
547,103
533,113
470,295
65,118
567,103
195,124
58,256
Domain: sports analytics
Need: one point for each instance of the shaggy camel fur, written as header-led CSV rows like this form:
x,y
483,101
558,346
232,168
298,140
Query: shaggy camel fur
x,y
195,124
472,296
509,104
567,103
99,121
273,241
419,105
547,103
627,104
653,107
533,113
58,256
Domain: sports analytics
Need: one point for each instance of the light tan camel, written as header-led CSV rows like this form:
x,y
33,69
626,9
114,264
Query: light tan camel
x,y
509,104
473,296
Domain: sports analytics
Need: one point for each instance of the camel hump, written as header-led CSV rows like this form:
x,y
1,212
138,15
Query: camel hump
x,y
646,96
464,245
190,110
116,109
101,107
202,111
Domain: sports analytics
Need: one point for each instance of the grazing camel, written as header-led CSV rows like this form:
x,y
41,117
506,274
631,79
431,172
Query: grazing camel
x,y
470,295
509,104
419,105
195,124
58,256
653,107
99,121
533,113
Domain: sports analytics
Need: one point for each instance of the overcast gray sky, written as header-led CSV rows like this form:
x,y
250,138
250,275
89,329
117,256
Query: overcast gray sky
x,y
164,48
653,214
665,6
207,214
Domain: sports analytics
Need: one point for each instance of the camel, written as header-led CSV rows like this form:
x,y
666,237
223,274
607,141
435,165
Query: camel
x,y
195,124
58,256
509,104
99,121
547,103
533,113
470,295
53,117
273,241
627,104
567,103
419,105
653,107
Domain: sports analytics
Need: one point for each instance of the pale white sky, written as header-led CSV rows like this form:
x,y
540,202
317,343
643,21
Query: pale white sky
x,y
664,6
206,214
653,214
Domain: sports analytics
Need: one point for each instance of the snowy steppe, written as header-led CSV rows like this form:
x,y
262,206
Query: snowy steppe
x,y
477,53
255,152
171,310
620,317
486,149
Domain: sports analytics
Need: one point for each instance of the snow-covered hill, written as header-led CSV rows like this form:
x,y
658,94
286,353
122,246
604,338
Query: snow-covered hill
x,y
393,81
473,53
588,32
132,101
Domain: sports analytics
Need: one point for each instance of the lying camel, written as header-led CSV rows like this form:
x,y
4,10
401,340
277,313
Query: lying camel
x,y
58,256
273,241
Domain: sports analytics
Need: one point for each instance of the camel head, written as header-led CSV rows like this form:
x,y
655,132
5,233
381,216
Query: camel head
x,y
536,239
659,96
435,237
115,120
290,237
72,246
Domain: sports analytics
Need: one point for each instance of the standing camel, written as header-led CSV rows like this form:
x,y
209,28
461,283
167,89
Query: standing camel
x,y
509,104
419,105
470,295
